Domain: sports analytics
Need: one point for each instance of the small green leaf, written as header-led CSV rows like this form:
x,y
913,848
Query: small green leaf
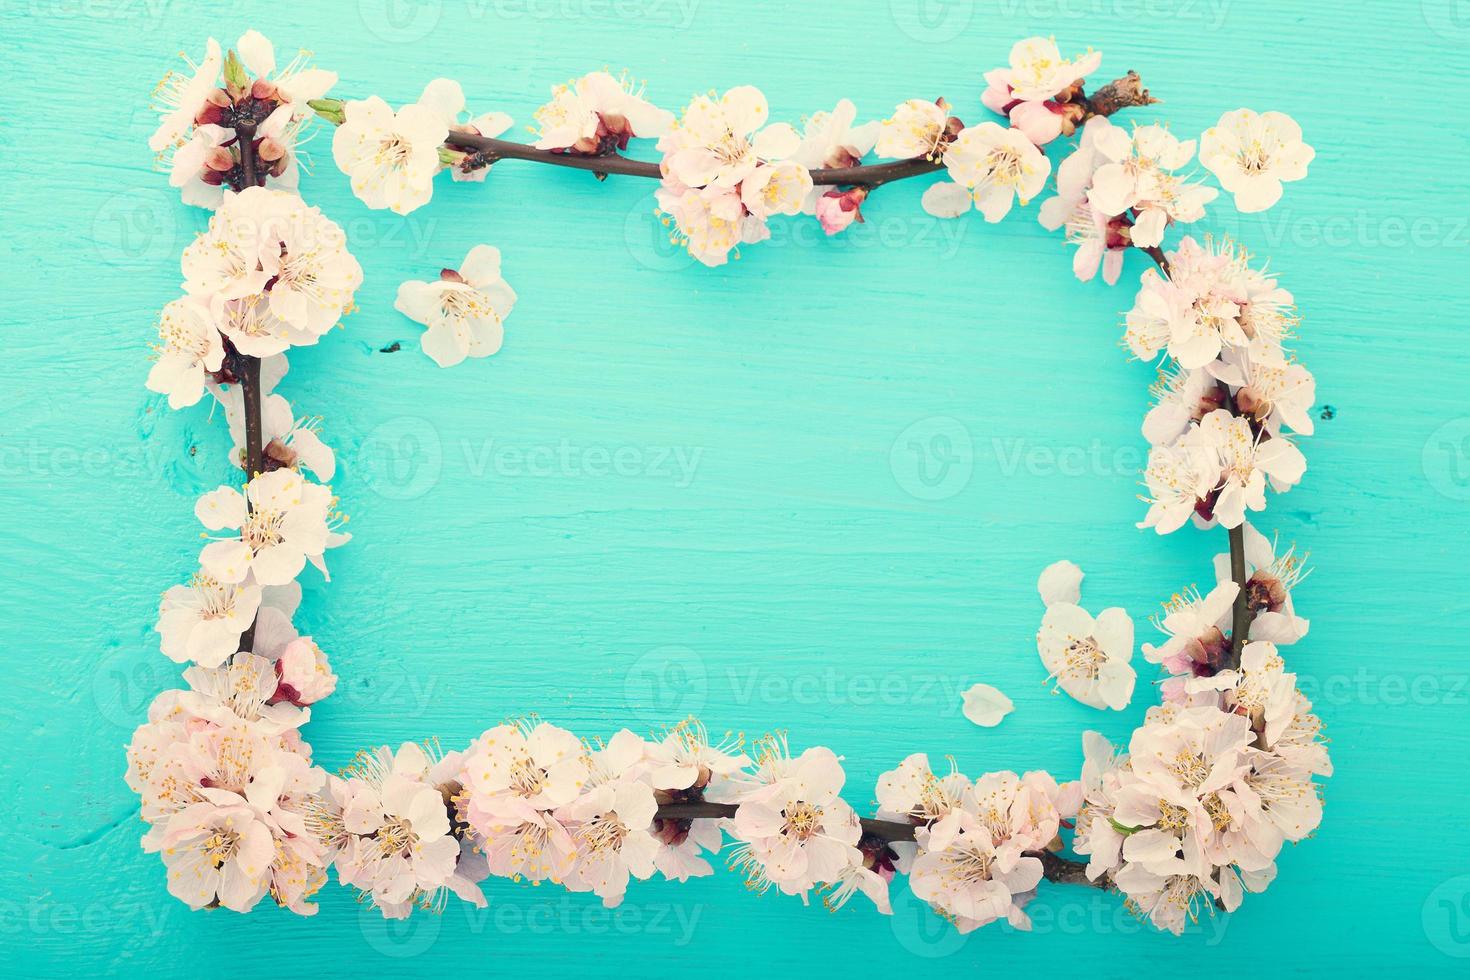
x,y
1123,828
235,73
329,109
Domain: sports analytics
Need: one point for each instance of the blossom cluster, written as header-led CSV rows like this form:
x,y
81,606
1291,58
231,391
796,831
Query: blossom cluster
x,y
208,109
1194,812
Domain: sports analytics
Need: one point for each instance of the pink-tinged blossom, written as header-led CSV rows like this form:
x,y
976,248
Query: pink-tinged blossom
x,y
281,520
797,832
596,113
303,674
514,778
1034,89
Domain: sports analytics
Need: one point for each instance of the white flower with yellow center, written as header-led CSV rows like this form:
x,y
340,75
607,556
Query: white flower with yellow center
x,y
797,832
390,157
916,129
611,826
994,166
776,188
180,96
281,520
464,309
276,271
1086,657
189,349
1248,460
720,142
202,621
1253,154
1138,174
400,842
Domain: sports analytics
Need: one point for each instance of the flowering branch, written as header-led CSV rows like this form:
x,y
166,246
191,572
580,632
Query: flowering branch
x,y
1191,815
1119,94
1241,612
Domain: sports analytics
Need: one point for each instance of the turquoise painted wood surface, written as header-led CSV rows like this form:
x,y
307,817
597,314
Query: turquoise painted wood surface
x,y
809,491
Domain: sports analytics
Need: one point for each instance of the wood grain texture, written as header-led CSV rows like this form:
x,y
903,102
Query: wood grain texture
x,y
528,539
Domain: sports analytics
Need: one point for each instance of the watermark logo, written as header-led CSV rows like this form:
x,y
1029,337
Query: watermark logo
x,y
401,459
933,458
400,21
1449,19
1446,459
669,682
932,21
1446,917
398,938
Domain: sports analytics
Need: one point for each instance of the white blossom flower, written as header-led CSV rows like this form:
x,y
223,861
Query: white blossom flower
x,y
217,850
710,222
1137,173
190,349
611,827
996,166
515,777
390,157
1272,390
1179,478
1088,658
464,309
598,112
797,832
445,98
241,689
180,95
401,842
1183,397
914,792
916,129
776,188
978,865
1249,461
282,520
278,271
1253,154
1028,90
304,675
1211,301
685,758
720,143
202,621
1270,579
829,139
1197,627
192,167
296,82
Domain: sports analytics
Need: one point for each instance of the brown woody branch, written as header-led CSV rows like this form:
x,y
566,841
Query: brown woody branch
x,y
486,150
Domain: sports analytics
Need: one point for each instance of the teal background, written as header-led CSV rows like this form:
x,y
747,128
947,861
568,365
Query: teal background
x,y
893,433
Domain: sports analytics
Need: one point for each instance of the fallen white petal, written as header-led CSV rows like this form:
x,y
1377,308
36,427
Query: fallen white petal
x,y
986,706
1061,581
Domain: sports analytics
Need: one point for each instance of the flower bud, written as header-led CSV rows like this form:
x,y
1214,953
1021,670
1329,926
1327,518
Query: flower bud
x,y
264,90
270,150
220,160
303,676
215,109
836,210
